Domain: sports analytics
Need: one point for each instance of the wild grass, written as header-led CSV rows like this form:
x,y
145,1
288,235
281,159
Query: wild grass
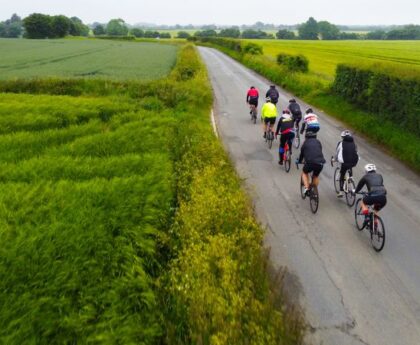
x,y
85,58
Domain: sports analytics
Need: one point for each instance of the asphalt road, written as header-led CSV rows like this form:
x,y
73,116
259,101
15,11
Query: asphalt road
x,y
350,293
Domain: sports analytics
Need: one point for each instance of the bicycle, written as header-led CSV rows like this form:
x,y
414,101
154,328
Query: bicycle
x,y
269,136
313,193
372,222
253,113
287,157
348,185
296,139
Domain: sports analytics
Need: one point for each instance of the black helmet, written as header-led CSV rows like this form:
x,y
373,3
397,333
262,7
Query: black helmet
x,y
309,111
310,134
252,87
292,100
273,86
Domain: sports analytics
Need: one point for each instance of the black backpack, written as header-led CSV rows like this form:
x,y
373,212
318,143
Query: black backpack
x,y
295,109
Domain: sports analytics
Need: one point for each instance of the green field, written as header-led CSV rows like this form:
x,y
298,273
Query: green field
x,y
85,58
325,55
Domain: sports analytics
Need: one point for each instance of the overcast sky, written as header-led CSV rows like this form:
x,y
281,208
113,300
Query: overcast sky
x,y
233,12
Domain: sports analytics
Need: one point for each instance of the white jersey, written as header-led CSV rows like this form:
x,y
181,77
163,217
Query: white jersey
x,y
311,120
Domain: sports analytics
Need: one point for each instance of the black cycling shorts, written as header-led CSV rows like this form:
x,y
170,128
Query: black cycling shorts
x,y
270,120
379,201
313,167
253,101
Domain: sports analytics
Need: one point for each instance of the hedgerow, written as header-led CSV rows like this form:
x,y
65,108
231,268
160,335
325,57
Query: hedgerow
x,y
295,63
122,220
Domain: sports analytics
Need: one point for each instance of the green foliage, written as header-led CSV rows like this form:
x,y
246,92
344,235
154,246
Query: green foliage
x,y
37,25
255,34
116,27
99,30
328,31
295,63
309,30
136,32
284,34
183,34
253,49
206,33
232,32
60,26
393,98
11,28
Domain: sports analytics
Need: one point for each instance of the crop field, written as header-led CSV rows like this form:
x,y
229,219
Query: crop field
x,y
324,56
104,59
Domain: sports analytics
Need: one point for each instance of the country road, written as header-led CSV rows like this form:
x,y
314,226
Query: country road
x,y
350,293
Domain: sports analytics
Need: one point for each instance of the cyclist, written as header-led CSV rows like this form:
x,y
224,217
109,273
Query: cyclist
x,y
346,154
376,191
310,122
268,115
286,129
252,98
273,94
296,112
311,152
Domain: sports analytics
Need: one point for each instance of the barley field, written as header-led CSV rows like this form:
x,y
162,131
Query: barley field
x,y
84,58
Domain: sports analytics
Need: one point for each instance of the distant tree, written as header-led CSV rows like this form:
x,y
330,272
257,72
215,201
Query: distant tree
x,y
11,28
328,31
37,25
232,32
60,26
309,30
164,35
209,27
284,34
408,32
151,34
206,33
137,32
77,28
376,35
183,34
116,27
99,30
14,30
250,33
350,36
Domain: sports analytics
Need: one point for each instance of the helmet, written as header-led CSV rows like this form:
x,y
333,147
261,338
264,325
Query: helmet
x,y
309,111
252,87
292,100
310,134
273,86
370,167
345,133
268,99
286,111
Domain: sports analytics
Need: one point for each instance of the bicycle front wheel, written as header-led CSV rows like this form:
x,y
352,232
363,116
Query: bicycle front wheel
x,y
377,233
359,217
296,141
337,180
287,161
350,197
314,199
270,139
302,189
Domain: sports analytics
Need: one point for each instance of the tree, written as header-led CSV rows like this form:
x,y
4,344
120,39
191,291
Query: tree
x,y
206,33
151,34
376,35
254,34
137,32
77,28
11,27
165,35
232,32
99,30
285,35
60,26
38,25
328,31
116,27
183,34
309,30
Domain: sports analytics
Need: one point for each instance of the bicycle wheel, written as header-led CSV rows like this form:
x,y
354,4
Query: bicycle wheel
x,y
314,199
337,180
270,139
287,161
296,141
359,217
350,198
377,234
302,189
254,116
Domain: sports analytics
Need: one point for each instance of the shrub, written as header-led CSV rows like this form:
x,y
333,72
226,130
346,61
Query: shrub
x,y
295,63
253,49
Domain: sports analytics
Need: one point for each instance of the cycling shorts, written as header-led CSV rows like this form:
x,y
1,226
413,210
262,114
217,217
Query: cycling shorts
x,y
379,201
254,101
270,120
315,168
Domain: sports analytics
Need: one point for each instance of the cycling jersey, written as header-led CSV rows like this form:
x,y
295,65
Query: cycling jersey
x,y
311,151
273,94
310,121
374,183
295,110
268,110
252,94
346,152
285,124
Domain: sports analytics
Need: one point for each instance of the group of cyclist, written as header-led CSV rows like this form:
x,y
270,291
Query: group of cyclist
x,y
311,154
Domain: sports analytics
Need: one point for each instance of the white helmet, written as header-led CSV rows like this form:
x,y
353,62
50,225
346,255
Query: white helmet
x,y
370,167
268,99
345,133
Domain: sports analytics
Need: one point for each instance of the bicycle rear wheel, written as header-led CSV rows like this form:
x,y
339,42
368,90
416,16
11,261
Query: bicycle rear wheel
x,y
314,199
296,141
337,180
359,217
287,161
270,139
350,198
254,116
302,189
377,233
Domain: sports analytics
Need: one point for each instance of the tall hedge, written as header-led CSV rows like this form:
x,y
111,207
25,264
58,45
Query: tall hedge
x,y
394,98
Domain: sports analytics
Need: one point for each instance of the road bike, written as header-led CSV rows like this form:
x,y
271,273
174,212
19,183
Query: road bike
x,y
287,157
312,193
348,185
372,222
253,113
269,136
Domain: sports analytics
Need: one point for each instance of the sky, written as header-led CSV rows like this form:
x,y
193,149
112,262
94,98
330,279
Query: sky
x,y
224,12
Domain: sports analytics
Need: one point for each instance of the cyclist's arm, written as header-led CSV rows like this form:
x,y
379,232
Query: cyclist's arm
x,y
360,185
279,125
301,153
303,127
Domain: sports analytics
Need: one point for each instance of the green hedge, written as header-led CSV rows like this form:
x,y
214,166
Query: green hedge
x,y
295,63
389,97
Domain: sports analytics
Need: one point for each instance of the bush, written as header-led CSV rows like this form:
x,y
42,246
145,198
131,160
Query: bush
x,y
253,49
295,63
390,97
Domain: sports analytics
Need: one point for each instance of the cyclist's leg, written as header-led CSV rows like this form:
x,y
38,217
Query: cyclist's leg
x,y
343,171
290,137
272,123
305,175
283,138
264,126
315,175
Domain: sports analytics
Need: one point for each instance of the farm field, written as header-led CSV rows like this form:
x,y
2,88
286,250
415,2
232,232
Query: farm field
x,y
85,58
325,55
